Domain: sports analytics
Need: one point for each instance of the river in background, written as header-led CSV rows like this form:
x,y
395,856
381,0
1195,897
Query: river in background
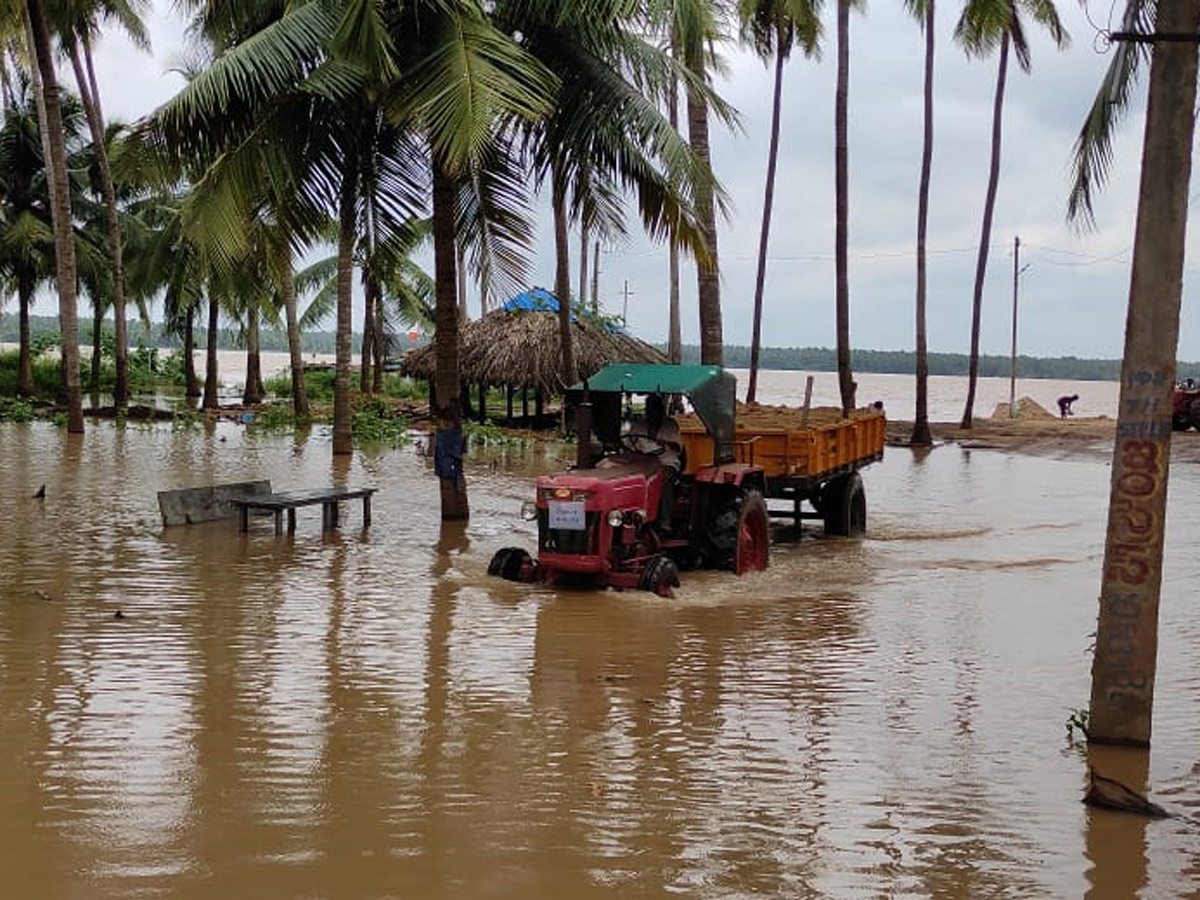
x,y
367,714
947,393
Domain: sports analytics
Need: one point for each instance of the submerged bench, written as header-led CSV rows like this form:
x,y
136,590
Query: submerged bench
x,y
290,501
209,503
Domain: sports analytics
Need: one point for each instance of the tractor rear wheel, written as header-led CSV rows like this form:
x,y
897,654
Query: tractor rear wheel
x,y
753,549
660,575
507,563
1181,421
844,503
1194,417
737,526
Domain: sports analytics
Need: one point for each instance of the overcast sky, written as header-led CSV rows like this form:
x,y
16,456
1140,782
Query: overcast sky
x,y
1073,294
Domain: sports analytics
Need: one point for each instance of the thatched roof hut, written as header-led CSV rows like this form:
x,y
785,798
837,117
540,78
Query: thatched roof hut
x,y
518,346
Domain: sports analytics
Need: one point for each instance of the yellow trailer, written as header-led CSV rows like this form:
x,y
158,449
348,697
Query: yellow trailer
x,y
811,455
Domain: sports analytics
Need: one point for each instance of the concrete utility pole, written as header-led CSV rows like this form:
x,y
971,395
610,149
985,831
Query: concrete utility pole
x,y
1123,668
626,293
1012,378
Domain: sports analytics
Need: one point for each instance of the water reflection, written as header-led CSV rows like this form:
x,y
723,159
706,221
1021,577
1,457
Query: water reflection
x,y
365,713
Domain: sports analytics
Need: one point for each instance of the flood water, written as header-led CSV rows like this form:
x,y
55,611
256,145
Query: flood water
x,y
366,714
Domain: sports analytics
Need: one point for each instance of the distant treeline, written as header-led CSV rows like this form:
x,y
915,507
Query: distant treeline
x,y
822,359
809,359
156,335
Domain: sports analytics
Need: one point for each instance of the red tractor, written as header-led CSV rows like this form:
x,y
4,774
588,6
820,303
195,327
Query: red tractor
x,y
625,516
1185,402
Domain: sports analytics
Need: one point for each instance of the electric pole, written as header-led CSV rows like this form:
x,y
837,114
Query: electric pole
x,y
626,293
1012,378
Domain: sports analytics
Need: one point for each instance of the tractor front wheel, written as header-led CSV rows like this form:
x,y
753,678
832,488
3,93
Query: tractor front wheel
x,y
508,562
660,575
844,504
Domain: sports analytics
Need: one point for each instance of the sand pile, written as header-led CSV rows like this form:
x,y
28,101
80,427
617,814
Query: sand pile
x,y
761,417
1027,408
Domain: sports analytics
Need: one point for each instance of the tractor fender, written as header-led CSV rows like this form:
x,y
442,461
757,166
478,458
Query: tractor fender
x,y
731,474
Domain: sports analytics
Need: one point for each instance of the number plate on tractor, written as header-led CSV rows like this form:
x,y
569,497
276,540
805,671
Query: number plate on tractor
x,y
567,515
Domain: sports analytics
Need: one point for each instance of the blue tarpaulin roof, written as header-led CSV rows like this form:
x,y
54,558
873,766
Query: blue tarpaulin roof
x,y
541,299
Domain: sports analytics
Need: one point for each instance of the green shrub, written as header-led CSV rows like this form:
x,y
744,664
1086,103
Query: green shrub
x,y
14,409
376,423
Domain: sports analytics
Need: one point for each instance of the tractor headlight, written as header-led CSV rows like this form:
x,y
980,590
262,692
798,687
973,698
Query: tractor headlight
x,y
616,518
528,510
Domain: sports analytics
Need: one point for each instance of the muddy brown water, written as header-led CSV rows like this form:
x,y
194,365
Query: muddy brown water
x,y
367,714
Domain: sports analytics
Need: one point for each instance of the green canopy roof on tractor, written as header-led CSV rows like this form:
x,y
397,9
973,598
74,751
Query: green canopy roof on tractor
x,y
711,390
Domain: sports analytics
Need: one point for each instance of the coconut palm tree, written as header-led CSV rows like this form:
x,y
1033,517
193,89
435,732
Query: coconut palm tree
x,y
605,131
846,384
923,10
1093,152
64,241
26,223
772,28
77,23
696,27
984,26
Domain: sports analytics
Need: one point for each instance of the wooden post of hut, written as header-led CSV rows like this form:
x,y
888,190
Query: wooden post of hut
x,y
509,390
464,391
482,403
539,404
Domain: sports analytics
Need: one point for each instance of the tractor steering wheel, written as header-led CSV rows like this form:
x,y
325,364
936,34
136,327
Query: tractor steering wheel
x,y
637,443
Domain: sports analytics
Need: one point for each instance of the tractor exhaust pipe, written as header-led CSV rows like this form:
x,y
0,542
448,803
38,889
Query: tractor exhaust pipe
x,y
583,431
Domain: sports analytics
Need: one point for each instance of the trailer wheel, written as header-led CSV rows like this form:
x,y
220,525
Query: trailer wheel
x,y
1194,418
753,549
844,504
660,575
507,563
1181,421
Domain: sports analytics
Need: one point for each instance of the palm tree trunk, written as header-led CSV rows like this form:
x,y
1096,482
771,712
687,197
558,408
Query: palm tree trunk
x,y
253,391
768,200
210,400
1124,666
191,382
584,239
846,385
368,335
985,235
448,409
379,343
343,437
461,282
287,288
674,328
562,277
64,239
97,327
24,354
90,99
920,432
708,275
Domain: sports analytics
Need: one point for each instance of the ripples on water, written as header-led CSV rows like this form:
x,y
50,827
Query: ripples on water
x,y
367,714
